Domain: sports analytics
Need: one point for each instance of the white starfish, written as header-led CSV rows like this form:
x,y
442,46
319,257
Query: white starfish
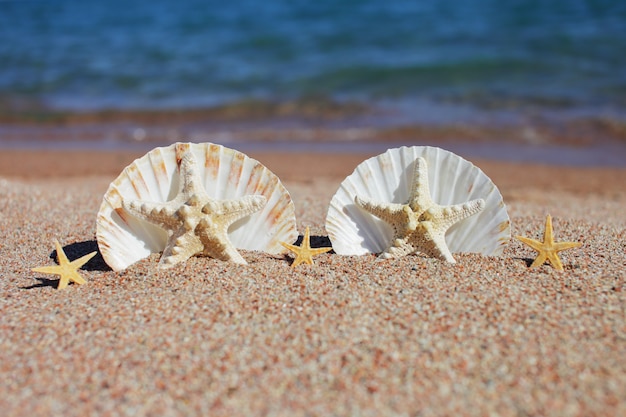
x,y
421,224
195,223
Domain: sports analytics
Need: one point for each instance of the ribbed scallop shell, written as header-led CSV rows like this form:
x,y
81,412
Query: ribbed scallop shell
x,y
228,174
389,176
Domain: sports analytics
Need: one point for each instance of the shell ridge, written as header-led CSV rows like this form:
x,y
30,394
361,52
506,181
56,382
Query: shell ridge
x,y
213,163
136,181
459,178
254,182
243,240
236,171
435,172
386,184
159,171
352,247
211,168
377,236
225,191
378,232
361,222
145,237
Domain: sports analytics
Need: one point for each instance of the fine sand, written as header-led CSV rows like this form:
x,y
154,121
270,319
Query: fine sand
x,y
347,336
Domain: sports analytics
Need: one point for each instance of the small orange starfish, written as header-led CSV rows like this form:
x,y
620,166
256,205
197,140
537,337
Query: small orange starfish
x,y
548,249
66,269
304,253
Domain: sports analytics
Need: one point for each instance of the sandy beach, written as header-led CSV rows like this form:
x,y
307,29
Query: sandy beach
x,y
347,336
530,92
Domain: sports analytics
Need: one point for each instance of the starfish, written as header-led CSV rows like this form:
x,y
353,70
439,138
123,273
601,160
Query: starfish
x,y
304,253
420,224
548,249
66,269
195,223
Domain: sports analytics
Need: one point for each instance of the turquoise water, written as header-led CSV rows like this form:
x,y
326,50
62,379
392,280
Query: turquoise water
x,y
562,55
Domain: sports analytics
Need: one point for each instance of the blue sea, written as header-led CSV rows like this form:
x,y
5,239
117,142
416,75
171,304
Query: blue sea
x,y
428,57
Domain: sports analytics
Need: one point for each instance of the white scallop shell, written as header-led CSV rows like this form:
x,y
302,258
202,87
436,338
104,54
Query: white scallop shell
x,y
389,176
228,174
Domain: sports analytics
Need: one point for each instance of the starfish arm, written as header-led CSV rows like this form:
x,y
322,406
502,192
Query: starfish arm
x,y
53,269
63,282
229,253
318,251
78,263
547,234
290,247
61,256
541,258
217,245
555,260
181,245
397,249
230,211
557,247
420,198
560,246
77,278
306,245
399,216
540,247
306,239
72,276
190,179
297,250
299,259
160,214
432,242
446,216
535,244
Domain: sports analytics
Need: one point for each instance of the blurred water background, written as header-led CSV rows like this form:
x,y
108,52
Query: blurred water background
x,y
554,66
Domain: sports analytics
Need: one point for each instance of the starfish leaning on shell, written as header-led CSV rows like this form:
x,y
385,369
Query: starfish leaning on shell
x,y
195,223
419,225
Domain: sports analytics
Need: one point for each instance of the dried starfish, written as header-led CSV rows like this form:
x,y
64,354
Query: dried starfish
x,y
195,223
548,249
66,269
421,224
304,253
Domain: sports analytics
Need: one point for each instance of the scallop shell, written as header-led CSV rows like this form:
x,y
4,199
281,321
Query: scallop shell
x,y
227,174
389,176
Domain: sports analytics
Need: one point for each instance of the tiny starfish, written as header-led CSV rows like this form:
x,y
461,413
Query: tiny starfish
x,y
548,249
66,269
421,224
195,223
304,253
